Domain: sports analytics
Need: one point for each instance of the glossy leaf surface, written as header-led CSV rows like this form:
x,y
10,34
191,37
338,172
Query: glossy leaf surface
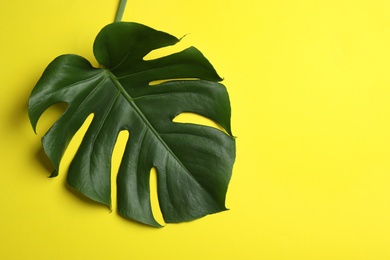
x,y
193,162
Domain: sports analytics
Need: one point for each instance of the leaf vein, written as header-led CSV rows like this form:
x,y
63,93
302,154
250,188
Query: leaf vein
x,y
147,123
76,83
102,122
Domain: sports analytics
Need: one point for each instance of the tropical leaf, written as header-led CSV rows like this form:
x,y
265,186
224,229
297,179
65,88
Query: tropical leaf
x,y
193,162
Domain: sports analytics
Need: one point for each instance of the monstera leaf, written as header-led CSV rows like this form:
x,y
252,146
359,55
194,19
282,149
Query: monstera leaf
x,y
193,162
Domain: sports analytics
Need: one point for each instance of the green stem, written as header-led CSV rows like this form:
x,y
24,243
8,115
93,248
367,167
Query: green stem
x,y
121,9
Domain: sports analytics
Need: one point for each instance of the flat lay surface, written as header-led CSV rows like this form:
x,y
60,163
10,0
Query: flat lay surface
x,y
309,86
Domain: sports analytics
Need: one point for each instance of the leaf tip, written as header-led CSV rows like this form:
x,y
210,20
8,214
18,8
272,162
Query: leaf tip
x,y
183,37
53,174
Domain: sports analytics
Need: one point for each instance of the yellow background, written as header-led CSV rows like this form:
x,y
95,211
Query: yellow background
x,y
310,90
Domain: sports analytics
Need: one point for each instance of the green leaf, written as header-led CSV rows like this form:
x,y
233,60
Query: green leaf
x,y
193,162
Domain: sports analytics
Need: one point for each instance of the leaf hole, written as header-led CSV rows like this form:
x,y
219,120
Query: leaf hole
x,y
74,145
193,118
117,155
165,51
158,82
50,116
157,214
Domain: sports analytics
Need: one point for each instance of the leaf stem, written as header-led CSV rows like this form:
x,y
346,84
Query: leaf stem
x,y
121,9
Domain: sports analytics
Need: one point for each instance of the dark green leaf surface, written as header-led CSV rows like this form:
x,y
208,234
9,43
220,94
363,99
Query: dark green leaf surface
x,y
193,162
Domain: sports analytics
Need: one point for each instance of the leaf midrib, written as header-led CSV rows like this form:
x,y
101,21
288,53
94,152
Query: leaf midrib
x,y
151,128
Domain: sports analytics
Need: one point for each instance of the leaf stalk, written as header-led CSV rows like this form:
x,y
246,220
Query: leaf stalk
x,y
121,10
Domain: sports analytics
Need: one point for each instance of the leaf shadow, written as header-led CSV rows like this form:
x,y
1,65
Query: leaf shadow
x,y
82,198
17,118
44,161
85,200
19,113
136,223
